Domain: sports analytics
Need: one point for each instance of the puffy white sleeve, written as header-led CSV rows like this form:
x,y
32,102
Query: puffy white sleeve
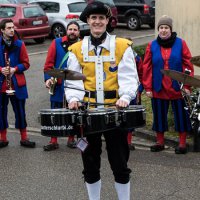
x,y
74,94
128,80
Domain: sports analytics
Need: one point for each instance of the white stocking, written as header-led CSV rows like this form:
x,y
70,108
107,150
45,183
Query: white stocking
x,y
94,190
123,191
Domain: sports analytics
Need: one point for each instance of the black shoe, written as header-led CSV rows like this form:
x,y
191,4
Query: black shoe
x,y
157,148
181,150
71,144
131,147
3,144
51,147
27,143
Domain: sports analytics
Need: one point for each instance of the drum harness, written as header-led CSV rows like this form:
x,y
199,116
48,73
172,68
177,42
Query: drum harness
x,y
99,60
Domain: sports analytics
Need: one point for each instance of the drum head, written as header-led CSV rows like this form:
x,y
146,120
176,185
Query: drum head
x,y
133,108
137,107
56,111
100,111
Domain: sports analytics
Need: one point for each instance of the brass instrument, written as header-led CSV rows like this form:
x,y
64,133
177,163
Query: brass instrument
x,y
64,74
9,90
53,86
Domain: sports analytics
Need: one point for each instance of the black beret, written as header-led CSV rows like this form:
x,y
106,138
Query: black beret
x,y
96,7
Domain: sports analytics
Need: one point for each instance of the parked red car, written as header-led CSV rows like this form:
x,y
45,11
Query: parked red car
x,y
30,21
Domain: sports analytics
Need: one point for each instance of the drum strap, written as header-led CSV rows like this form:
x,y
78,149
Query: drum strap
x,y
99,60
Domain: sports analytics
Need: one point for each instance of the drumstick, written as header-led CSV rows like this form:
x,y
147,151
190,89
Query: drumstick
x,y
96,103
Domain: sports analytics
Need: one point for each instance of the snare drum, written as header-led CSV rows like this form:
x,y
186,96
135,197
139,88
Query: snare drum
x,y
133,116
98,120
57,122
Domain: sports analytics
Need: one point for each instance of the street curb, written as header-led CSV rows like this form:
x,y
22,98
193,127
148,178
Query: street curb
x,y
40,52
139,132
142,36
150,135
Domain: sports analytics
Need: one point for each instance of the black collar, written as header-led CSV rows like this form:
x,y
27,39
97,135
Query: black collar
x,y
97,41
167,43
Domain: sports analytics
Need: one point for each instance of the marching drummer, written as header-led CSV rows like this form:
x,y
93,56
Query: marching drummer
x,y
56,58
111,77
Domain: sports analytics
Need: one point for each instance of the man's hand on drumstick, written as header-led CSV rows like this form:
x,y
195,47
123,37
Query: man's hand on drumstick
x,y
74,105
121,103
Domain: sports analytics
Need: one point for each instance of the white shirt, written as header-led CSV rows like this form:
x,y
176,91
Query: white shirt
x,y
128,80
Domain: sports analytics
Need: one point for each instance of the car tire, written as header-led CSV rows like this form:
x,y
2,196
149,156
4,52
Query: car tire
x,y
58,30
133,23
39,40
152,25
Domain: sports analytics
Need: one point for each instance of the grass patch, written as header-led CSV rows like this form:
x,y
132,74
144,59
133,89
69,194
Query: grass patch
x,y
149,116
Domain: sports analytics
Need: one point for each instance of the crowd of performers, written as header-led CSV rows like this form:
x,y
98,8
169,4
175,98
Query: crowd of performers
x,y
126,76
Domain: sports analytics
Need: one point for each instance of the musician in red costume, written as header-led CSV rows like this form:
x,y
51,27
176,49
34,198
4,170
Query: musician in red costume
x,y
56,58
167,51
13,50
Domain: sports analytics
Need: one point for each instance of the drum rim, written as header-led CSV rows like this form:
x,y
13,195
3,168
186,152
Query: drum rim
x,y
57,111
102,113
98,111
132,110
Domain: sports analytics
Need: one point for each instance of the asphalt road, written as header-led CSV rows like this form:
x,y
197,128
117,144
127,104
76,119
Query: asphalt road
x,y
32,174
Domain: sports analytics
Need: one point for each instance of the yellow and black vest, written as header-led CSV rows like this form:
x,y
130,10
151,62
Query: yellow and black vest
x,y
110,69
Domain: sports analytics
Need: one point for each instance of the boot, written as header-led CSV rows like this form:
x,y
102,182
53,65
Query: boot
x,y
53,145
27,143
3,135
3,143
159,146
131,147
123,191
3,138
182,148
94,190
71,143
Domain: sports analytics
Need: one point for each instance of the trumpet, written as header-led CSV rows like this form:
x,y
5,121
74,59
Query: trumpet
x,y
53,86
9,90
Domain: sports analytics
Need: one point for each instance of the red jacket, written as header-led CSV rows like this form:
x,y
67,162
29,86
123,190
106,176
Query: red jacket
x,y
167,91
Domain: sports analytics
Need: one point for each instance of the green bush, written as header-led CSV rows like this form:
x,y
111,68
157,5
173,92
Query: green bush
x,y
146,101
140,50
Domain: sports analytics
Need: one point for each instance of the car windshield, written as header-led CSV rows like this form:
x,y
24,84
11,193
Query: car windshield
x,y
77,7
4,1
33,12
49,7
150,2
6,11
109,2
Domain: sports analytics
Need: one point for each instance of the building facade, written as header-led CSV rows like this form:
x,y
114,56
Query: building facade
x,y
186,21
